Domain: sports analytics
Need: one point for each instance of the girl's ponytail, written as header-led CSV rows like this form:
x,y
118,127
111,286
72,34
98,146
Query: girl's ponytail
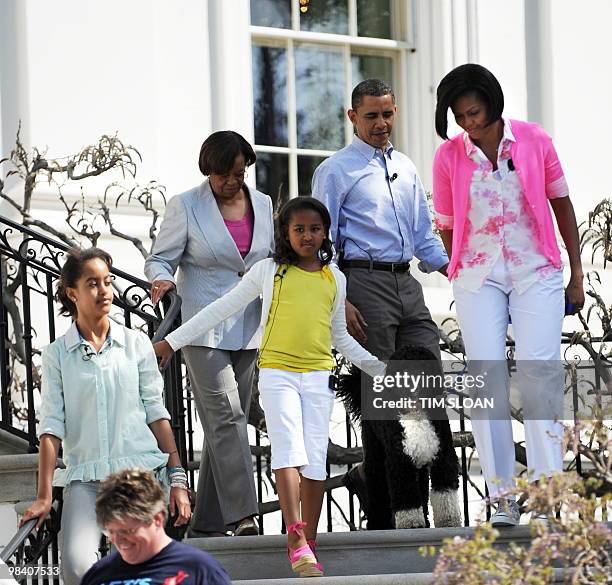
x,y
67,307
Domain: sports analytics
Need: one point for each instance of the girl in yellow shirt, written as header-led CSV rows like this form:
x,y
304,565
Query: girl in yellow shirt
x,y
302,317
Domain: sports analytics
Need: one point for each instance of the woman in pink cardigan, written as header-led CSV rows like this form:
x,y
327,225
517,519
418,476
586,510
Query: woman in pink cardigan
x,y
494,186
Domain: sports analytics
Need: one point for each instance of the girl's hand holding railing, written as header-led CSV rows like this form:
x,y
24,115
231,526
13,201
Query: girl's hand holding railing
x,y
39,509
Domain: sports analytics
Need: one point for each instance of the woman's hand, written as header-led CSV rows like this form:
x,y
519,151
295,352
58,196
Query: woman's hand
x,y
574,294
180,505
39,509
355,323
159,288
164,351
566,220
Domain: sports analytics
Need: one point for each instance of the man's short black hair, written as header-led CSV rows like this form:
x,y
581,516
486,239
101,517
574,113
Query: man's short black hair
x,y
466,80
373,87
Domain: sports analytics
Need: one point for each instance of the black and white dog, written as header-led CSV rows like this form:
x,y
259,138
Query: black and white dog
x,y
402,455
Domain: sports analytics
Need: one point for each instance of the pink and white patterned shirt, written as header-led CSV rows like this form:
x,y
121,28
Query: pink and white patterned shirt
x,y
500,222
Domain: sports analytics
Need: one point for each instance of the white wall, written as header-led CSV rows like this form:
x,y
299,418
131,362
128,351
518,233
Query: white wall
x,y
582,75
501,48
140,68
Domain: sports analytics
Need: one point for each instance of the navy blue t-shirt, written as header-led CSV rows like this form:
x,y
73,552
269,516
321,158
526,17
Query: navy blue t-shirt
x,y
175,564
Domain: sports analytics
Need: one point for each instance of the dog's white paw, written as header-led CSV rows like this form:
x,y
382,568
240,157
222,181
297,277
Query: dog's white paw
x,y
410,518
420,441
445,506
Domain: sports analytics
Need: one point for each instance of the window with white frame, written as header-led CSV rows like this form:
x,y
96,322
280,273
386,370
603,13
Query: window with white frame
x,y
307,56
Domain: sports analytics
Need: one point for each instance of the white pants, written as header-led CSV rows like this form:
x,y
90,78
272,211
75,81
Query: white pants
x,y
537,317
298,407
80,533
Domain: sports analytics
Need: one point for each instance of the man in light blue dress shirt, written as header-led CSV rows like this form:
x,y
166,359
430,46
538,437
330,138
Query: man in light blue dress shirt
x,y
380,221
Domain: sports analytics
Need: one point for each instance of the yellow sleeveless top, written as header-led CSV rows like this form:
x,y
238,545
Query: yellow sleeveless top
x,y
297,336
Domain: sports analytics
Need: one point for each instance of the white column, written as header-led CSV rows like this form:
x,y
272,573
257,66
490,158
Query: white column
x,y
425,67
230,67
180,89
15,100
14,87
539,63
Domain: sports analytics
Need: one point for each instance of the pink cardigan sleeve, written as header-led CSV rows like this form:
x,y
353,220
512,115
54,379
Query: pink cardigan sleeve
x,y
554,179
442,192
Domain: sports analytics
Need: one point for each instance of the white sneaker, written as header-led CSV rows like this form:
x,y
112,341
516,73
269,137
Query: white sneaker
x,y
507,513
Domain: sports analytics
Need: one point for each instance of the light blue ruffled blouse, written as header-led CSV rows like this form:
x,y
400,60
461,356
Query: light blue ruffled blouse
x,y
100,404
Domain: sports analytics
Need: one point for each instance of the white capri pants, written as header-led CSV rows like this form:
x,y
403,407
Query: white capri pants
x,y
298,407
537,317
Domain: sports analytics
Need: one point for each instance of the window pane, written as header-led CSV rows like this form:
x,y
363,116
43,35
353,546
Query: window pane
x,y
326,16
368,66
270,95
306,168
319,80
272,175
276,13
374,18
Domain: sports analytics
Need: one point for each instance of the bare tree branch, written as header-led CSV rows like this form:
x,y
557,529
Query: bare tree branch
x,y
28,221
113,230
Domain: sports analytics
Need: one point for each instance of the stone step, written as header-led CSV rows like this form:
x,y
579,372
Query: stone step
x,y
381,552
560,576
402,579
11,444
18,477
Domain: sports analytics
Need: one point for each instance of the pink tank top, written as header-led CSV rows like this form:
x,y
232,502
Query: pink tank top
x,y
241,231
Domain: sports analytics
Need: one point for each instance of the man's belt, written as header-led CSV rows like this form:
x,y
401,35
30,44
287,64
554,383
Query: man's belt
x,y
372,265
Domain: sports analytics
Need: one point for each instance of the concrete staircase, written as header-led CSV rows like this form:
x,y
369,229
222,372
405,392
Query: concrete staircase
x,y
349,558
385,557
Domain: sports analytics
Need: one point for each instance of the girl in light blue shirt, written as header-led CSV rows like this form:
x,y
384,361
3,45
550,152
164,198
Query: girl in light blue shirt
x,y
102,400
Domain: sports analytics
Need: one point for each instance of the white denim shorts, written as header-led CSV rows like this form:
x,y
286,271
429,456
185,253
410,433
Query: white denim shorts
x,y
298,407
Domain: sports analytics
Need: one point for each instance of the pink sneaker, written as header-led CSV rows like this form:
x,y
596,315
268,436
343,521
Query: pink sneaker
x,y
302,559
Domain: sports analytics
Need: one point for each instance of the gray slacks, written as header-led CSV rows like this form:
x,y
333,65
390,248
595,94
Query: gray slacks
x,y
221,381
393,306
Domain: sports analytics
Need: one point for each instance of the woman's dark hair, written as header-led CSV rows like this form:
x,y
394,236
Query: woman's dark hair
x,y
283,252
465,80
72,270
219,151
